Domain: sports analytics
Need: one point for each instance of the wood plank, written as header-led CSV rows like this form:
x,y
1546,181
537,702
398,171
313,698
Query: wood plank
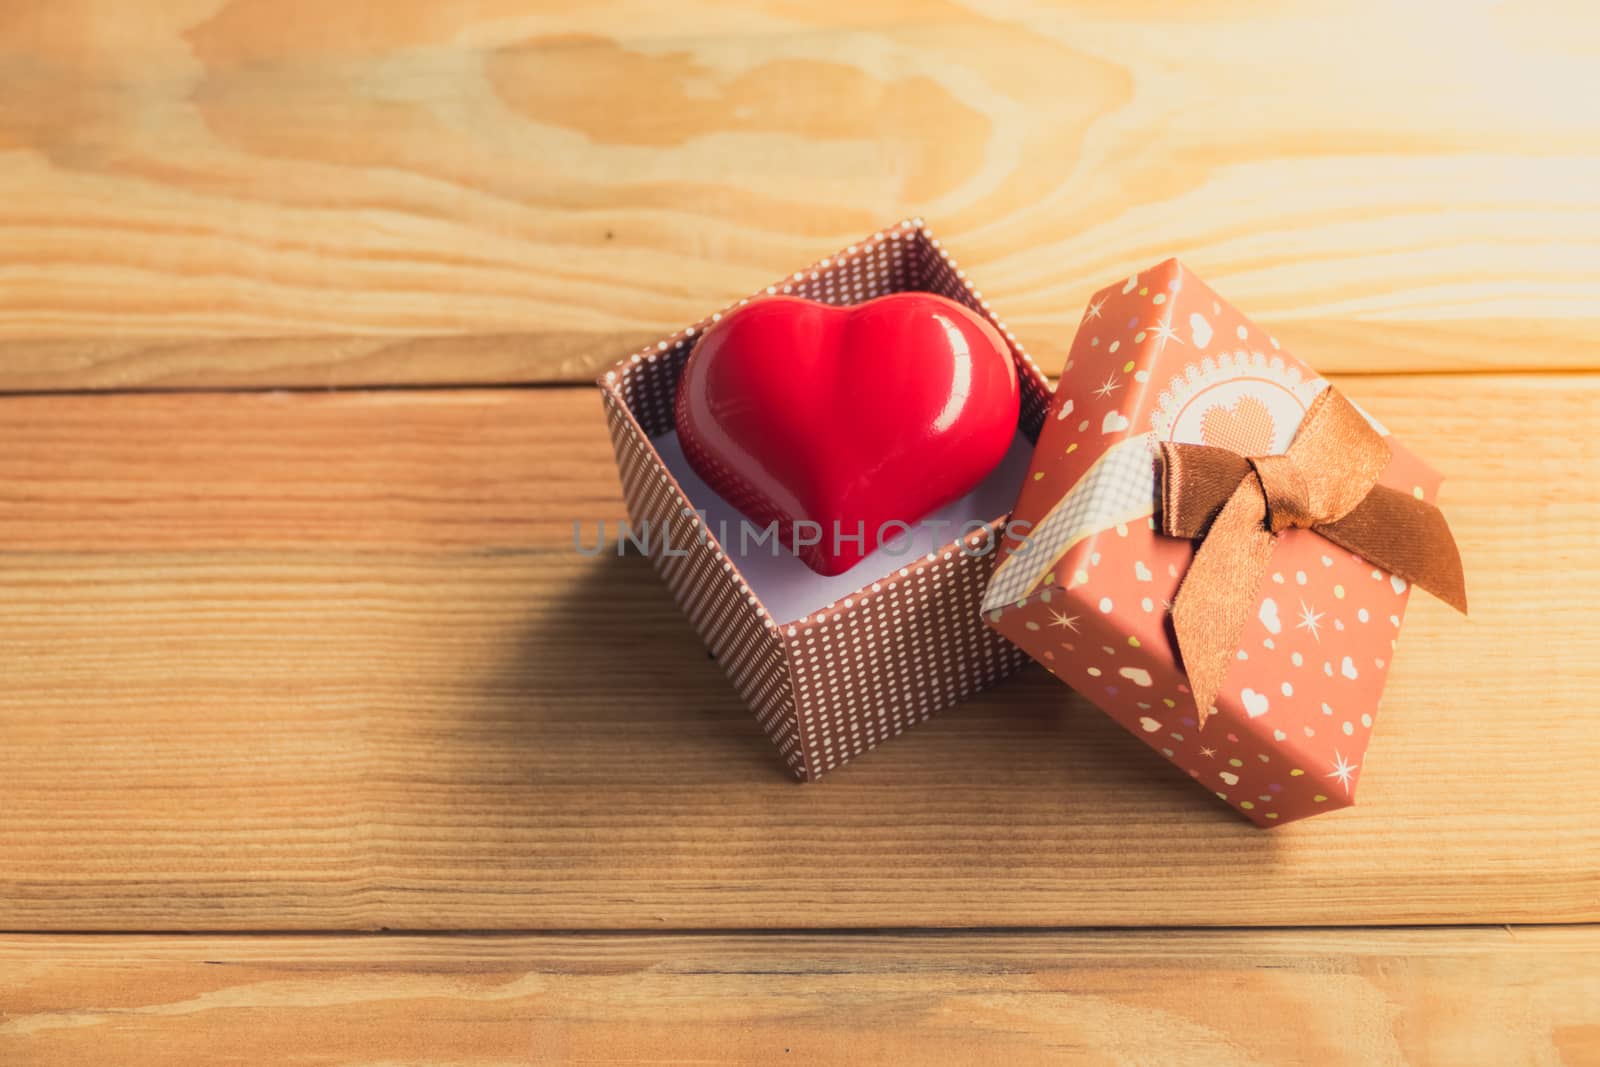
x,y
1458,996
305,661
299,192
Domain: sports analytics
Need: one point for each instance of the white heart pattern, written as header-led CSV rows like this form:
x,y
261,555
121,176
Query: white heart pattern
x,y
1348,668
1066,408
1150,725
1138,676
1114,422
1229,777
1255,704
1269,616
1279,735
1140,571
1199,330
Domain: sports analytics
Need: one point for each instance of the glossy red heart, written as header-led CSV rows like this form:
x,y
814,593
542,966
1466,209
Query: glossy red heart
x,y
853,418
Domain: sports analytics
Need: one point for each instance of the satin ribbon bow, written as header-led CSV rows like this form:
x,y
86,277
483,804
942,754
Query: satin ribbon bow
x,y
1236,506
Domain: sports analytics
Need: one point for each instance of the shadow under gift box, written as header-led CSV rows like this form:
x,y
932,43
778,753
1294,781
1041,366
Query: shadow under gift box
x,y
831,667
1160,357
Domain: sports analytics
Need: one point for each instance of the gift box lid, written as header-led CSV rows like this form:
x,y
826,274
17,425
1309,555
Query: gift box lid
x,y
1089,585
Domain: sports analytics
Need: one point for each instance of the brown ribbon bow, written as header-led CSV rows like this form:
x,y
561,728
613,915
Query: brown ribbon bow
x,y
1237,506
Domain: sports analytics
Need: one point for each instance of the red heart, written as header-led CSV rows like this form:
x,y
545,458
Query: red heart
x,y
847,418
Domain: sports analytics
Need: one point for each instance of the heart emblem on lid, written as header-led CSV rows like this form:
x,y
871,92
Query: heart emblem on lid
x,y
1245,427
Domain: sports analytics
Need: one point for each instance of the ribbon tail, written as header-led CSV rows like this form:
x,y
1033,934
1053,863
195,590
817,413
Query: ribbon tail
x,y
1406,537
1213,603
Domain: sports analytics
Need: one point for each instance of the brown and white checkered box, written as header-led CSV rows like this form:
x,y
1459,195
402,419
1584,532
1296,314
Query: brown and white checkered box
x,y
830,685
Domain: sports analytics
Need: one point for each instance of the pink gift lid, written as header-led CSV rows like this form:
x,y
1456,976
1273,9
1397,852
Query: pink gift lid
x,y
1161,357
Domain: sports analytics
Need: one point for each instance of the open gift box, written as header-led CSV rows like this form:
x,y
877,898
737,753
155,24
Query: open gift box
x,y
1084,572
830,666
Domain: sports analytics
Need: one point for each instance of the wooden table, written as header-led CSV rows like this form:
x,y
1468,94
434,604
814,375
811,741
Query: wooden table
x,y
320,744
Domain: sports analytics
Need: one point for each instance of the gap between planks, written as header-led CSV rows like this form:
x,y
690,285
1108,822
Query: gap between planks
x,y
795,932
358,388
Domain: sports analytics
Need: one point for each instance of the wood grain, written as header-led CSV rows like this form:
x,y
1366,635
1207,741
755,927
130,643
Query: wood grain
x,y
1456,996
298,192
291,661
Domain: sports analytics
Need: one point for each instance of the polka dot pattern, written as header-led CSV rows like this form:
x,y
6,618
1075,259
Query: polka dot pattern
x,y
833,685
707,586
867,668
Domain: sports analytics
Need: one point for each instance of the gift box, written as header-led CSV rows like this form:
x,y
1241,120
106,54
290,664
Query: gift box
x,y
830,666
1160,365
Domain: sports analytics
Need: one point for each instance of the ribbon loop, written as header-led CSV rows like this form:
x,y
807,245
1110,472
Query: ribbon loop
x,y
1236,507
1340,455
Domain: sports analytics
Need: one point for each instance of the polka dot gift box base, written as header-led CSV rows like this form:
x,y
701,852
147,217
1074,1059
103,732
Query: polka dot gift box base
x,y
830,665
1220,548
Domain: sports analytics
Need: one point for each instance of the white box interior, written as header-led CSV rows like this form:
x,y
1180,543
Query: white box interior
x,y
790,590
